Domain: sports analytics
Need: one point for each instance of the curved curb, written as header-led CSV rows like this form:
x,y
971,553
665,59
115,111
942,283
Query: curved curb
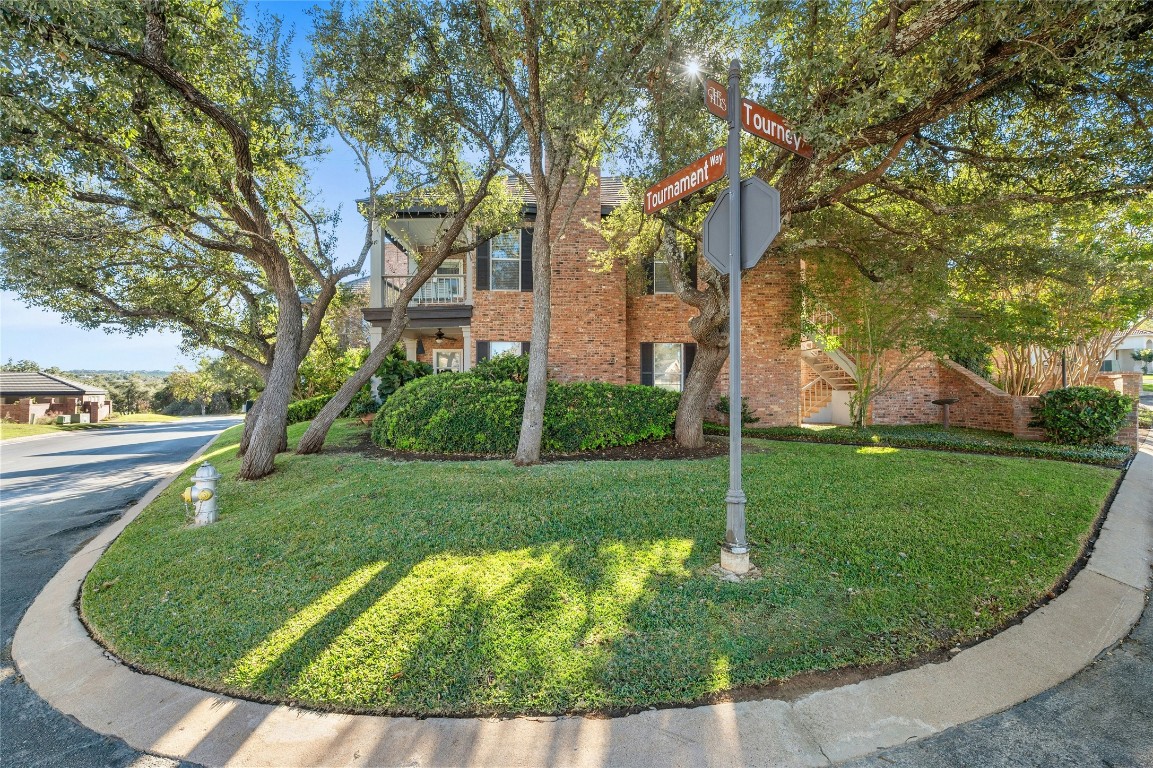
x,y
77,676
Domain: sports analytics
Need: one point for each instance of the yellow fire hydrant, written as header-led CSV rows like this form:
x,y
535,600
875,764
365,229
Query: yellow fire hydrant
x,y
202,494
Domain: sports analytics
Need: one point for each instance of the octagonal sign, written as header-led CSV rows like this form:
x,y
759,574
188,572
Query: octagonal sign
x,y
760,223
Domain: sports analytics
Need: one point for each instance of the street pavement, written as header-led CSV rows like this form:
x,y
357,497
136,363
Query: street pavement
x,y
1103,716
56,493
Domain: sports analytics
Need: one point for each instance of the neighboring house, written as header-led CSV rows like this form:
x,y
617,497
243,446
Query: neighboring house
x,y
480,304
1120,357
28,396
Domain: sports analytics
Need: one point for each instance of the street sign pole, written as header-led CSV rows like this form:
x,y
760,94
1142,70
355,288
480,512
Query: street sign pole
x,y
735,551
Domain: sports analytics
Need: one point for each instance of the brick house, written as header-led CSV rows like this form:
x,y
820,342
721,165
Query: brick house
x,y
480,305
27,396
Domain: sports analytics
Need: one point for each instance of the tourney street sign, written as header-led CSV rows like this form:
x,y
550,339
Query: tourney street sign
x,y
691,178
757,120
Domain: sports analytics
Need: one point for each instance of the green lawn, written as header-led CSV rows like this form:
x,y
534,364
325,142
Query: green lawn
x,y
935,437
1147,383
143,418
476,587
9,430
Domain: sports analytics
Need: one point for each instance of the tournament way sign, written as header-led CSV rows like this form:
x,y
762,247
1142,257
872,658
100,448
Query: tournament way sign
x,y
692,178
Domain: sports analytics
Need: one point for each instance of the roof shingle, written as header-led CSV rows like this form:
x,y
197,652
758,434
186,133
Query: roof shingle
x,y
26,383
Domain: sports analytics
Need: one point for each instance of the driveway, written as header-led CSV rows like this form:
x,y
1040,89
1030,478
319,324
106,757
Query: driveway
x,y
56,493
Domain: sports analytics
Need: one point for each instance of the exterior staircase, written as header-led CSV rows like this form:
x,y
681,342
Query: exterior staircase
x,y
835,370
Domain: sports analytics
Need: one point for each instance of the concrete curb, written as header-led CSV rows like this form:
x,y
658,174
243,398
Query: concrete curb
x,y
77,676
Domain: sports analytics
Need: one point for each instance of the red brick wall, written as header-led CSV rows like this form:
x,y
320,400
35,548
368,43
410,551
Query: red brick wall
x,y
983,406
909,399
588,333
659,318
1127,384
770,364
24,411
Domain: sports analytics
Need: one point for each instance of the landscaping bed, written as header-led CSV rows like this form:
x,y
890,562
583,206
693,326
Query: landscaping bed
x,y
932,437
351,583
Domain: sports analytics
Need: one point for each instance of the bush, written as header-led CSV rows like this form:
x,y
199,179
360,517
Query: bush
x,y
306,410
747,416
465,413
506,367
1081,415
395,372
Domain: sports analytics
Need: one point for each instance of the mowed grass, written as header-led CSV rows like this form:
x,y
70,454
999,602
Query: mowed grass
x,y
144,418
477,587
10,430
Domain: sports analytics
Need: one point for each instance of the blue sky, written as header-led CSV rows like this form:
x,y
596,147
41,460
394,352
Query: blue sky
x,y
46,337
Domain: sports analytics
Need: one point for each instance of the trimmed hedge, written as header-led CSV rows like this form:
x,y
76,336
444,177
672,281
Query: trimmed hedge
x,y
461,413
306,410
1081,415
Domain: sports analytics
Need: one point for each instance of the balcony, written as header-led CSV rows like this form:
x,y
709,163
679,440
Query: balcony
x,y
437,290
442,300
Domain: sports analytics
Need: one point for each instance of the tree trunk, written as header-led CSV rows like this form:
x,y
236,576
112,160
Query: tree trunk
x,y
690,428
313,439
269,436
532,422
710,329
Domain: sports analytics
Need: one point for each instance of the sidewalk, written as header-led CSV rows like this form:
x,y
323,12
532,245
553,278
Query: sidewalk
x,y
62,664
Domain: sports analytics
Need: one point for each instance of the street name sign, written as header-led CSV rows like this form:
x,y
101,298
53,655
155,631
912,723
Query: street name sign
x,y
760,223
692,178
757,120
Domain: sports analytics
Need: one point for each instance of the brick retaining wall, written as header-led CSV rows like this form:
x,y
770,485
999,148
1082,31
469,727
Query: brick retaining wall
x,y
983,406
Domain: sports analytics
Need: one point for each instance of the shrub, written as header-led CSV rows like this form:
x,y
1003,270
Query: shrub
x,y
747,416
395,372
465,413
1081,415
506,367
306,410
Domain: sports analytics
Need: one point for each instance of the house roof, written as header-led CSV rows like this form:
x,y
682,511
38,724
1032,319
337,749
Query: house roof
x,y
20,383
358,286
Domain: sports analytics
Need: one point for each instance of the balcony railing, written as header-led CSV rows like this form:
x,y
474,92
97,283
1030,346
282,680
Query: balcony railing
x,y
437,290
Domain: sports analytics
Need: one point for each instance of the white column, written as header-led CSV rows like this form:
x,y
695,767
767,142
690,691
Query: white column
x,y
376,272
410,349
466,339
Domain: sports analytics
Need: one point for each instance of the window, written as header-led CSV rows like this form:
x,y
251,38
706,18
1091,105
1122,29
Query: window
x,y
487,349
667,366
505,256
662,279
503,348
447,360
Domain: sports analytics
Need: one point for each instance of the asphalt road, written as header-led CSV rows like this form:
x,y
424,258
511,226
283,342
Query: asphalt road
x,y
56,493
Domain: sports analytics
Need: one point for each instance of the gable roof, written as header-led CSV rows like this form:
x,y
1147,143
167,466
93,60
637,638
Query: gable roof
x,y
26,383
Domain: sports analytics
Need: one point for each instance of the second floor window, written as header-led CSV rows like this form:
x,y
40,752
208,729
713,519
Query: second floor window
x,y
662,280
505,255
